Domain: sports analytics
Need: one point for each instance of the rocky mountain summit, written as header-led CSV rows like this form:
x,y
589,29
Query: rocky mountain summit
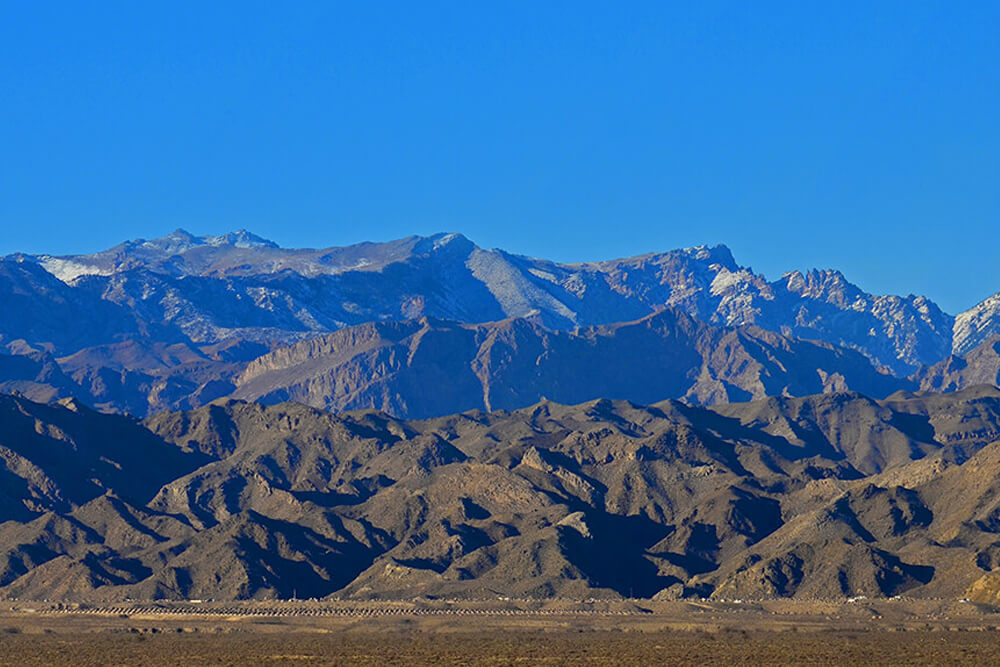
x,y
820,497
209,289
177,322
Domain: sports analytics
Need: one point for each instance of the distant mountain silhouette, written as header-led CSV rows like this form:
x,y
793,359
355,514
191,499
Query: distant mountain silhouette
x,y
177,322
207,289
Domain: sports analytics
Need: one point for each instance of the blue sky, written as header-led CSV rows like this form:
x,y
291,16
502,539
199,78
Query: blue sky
x,y
859,136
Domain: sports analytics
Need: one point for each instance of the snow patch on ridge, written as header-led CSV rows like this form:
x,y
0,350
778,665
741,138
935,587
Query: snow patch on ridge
x,y
68,270
976,325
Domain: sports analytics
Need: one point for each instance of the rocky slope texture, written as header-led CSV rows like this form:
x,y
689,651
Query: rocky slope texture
x,y
977,325
429,368
177,322
981,365
203,290
819,497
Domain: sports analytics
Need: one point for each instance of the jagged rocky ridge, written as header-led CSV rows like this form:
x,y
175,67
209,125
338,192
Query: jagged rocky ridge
x,y
425,368
980,365
177,322
430,368
203,290
826,496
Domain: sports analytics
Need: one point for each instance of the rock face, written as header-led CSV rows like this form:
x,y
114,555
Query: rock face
x,y
981,365
130,377
177,322
977,325
430,368
62,455
183,288
817,497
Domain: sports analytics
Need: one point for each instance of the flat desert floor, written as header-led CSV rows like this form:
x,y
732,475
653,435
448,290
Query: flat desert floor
x,y
509,633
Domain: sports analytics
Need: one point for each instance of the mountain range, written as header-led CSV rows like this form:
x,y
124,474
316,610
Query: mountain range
x,y
220,418
177,322
834,495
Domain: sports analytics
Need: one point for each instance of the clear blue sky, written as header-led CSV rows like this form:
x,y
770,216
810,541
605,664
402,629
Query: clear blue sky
x,y
861,136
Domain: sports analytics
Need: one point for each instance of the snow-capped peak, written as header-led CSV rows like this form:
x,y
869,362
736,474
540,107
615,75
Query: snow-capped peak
x,y
239,239
180,241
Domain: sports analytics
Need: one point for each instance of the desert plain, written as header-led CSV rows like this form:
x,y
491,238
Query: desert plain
x,y
504,632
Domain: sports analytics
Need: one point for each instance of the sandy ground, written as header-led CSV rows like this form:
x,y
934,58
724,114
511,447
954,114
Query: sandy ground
x,y
501,633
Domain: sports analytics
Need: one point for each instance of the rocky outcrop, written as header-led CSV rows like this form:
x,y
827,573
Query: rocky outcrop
x,y
819,497
207,289
431,368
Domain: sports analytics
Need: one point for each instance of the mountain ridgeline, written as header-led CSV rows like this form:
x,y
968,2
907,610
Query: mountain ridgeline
x,y
428,368
427,326
222,418
822,497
